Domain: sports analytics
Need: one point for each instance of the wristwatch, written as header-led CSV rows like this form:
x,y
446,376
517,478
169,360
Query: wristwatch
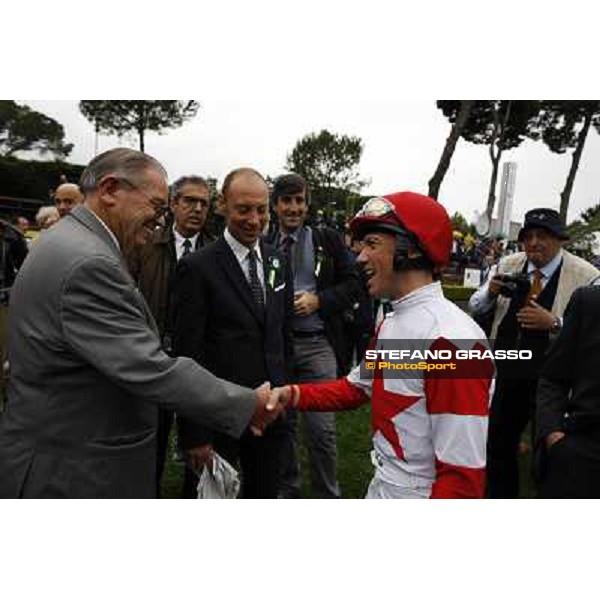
x,y
557,325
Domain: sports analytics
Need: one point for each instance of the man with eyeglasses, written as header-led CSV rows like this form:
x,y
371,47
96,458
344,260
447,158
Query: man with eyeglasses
x,y
87,367
525,295
180,235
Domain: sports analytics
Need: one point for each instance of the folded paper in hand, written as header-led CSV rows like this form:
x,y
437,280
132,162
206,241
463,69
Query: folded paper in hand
x,y
219,480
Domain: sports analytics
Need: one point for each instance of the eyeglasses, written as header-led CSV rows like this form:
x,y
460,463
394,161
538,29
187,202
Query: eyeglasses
x,y
191,202
161,208
375,207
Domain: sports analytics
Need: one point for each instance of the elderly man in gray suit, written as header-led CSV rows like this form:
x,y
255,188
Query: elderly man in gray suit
x,y
87,369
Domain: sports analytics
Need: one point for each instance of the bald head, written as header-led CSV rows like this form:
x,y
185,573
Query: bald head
x,y
244,203
66,196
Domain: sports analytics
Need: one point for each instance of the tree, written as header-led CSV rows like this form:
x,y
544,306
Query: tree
x,y
565,124
23,129
123,116
459,120
459,223
583,232
499,124
329,162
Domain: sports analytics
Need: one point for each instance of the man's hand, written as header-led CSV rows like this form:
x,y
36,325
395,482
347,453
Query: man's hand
x,y
534,316
268,408
494,286
283,396
552,438
200,457
305,303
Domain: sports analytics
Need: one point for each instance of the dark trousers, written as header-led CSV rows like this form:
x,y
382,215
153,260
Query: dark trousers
x,y
512,408
165,422
571,467
258,458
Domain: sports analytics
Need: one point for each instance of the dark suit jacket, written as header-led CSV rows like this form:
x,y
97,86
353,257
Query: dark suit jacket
x,y
218,324
338,287
570,377
155,273
88,372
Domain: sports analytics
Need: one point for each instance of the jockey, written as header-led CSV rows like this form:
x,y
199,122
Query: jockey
x,y
429,428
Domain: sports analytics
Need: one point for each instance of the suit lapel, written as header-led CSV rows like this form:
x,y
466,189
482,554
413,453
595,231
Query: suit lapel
x,y
267,252
233,271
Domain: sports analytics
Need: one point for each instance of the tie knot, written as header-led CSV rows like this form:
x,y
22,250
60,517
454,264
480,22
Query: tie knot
x,y
187,246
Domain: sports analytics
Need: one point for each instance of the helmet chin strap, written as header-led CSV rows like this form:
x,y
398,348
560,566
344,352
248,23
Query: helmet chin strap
x,y
405,242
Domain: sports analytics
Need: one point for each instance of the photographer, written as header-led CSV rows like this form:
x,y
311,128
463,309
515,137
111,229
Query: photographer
x,y
525,297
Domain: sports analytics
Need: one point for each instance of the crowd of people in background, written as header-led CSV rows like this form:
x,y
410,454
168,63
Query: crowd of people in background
x,y
252,289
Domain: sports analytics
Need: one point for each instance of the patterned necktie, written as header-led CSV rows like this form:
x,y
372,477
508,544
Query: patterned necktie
x,y
187,247
536,286
255,285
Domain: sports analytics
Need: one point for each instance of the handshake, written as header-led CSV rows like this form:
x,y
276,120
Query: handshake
x,y
270,403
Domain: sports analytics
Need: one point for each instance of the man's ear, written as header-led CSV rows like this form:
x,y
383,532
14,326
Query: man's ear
x,y
173,202
220,205
107,189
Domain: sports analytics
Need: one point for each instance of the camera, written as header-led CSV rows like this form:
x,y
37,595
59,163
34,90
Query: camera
x,y
514,284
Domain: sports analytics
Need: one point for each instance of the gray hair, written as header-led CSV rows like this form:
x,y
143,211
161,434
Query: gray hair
x,y
44,213
177,185
121,162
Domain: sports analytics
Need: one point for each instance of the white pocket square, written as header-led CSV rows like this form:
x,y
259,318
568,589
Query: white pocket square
x,y
278,289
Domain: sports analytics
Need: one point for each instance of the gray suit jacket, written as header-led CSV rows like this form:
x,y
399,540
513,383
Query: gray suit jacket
x,y
88,372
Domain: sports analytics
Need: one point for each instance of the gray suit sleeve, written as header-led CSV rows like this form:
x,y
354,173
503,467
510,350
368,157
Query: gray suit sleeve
x,y
104,321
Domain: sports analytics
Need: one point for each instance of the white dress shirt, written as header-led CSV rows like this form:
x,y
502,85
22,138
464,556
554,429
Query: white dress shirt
x,y
241,253
180,240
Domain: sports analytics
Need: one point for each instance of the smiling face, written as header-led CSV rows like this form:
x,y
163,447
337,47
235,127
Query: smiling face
x,y
190,209
133,207
376,258
291,210
540,246
246,208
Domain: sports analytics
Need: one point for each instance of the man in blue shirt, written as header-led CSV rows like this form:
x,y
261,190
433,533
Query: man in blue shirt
x,y
527,314
325,285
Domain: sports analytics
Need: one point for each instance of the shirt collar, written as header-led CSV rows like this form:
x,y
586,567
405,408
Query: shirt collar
x,y
179,239
112,235
241,251
295,235
549,269
422,294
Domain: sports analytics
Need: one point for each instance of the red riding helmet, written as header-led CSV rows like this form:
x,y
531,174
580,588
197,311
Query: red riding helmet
x,y
420,215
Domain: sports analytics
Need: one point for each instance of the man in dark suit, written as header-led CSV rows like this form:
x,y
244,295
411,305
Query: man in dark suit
x,y
155,271
326,285
87,367
232,307
568,405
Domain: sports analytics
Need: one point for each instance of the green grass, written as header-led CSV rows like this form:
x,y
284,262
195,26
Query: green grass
x,y
354,465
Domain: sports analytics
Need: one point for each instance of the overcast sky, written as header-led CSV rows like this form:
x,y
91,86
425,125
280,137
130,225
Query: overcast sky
x,y
402,144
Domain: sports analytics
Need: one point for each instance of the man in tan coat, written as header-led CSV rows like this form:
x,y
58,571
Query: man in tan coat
x,y
527,311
